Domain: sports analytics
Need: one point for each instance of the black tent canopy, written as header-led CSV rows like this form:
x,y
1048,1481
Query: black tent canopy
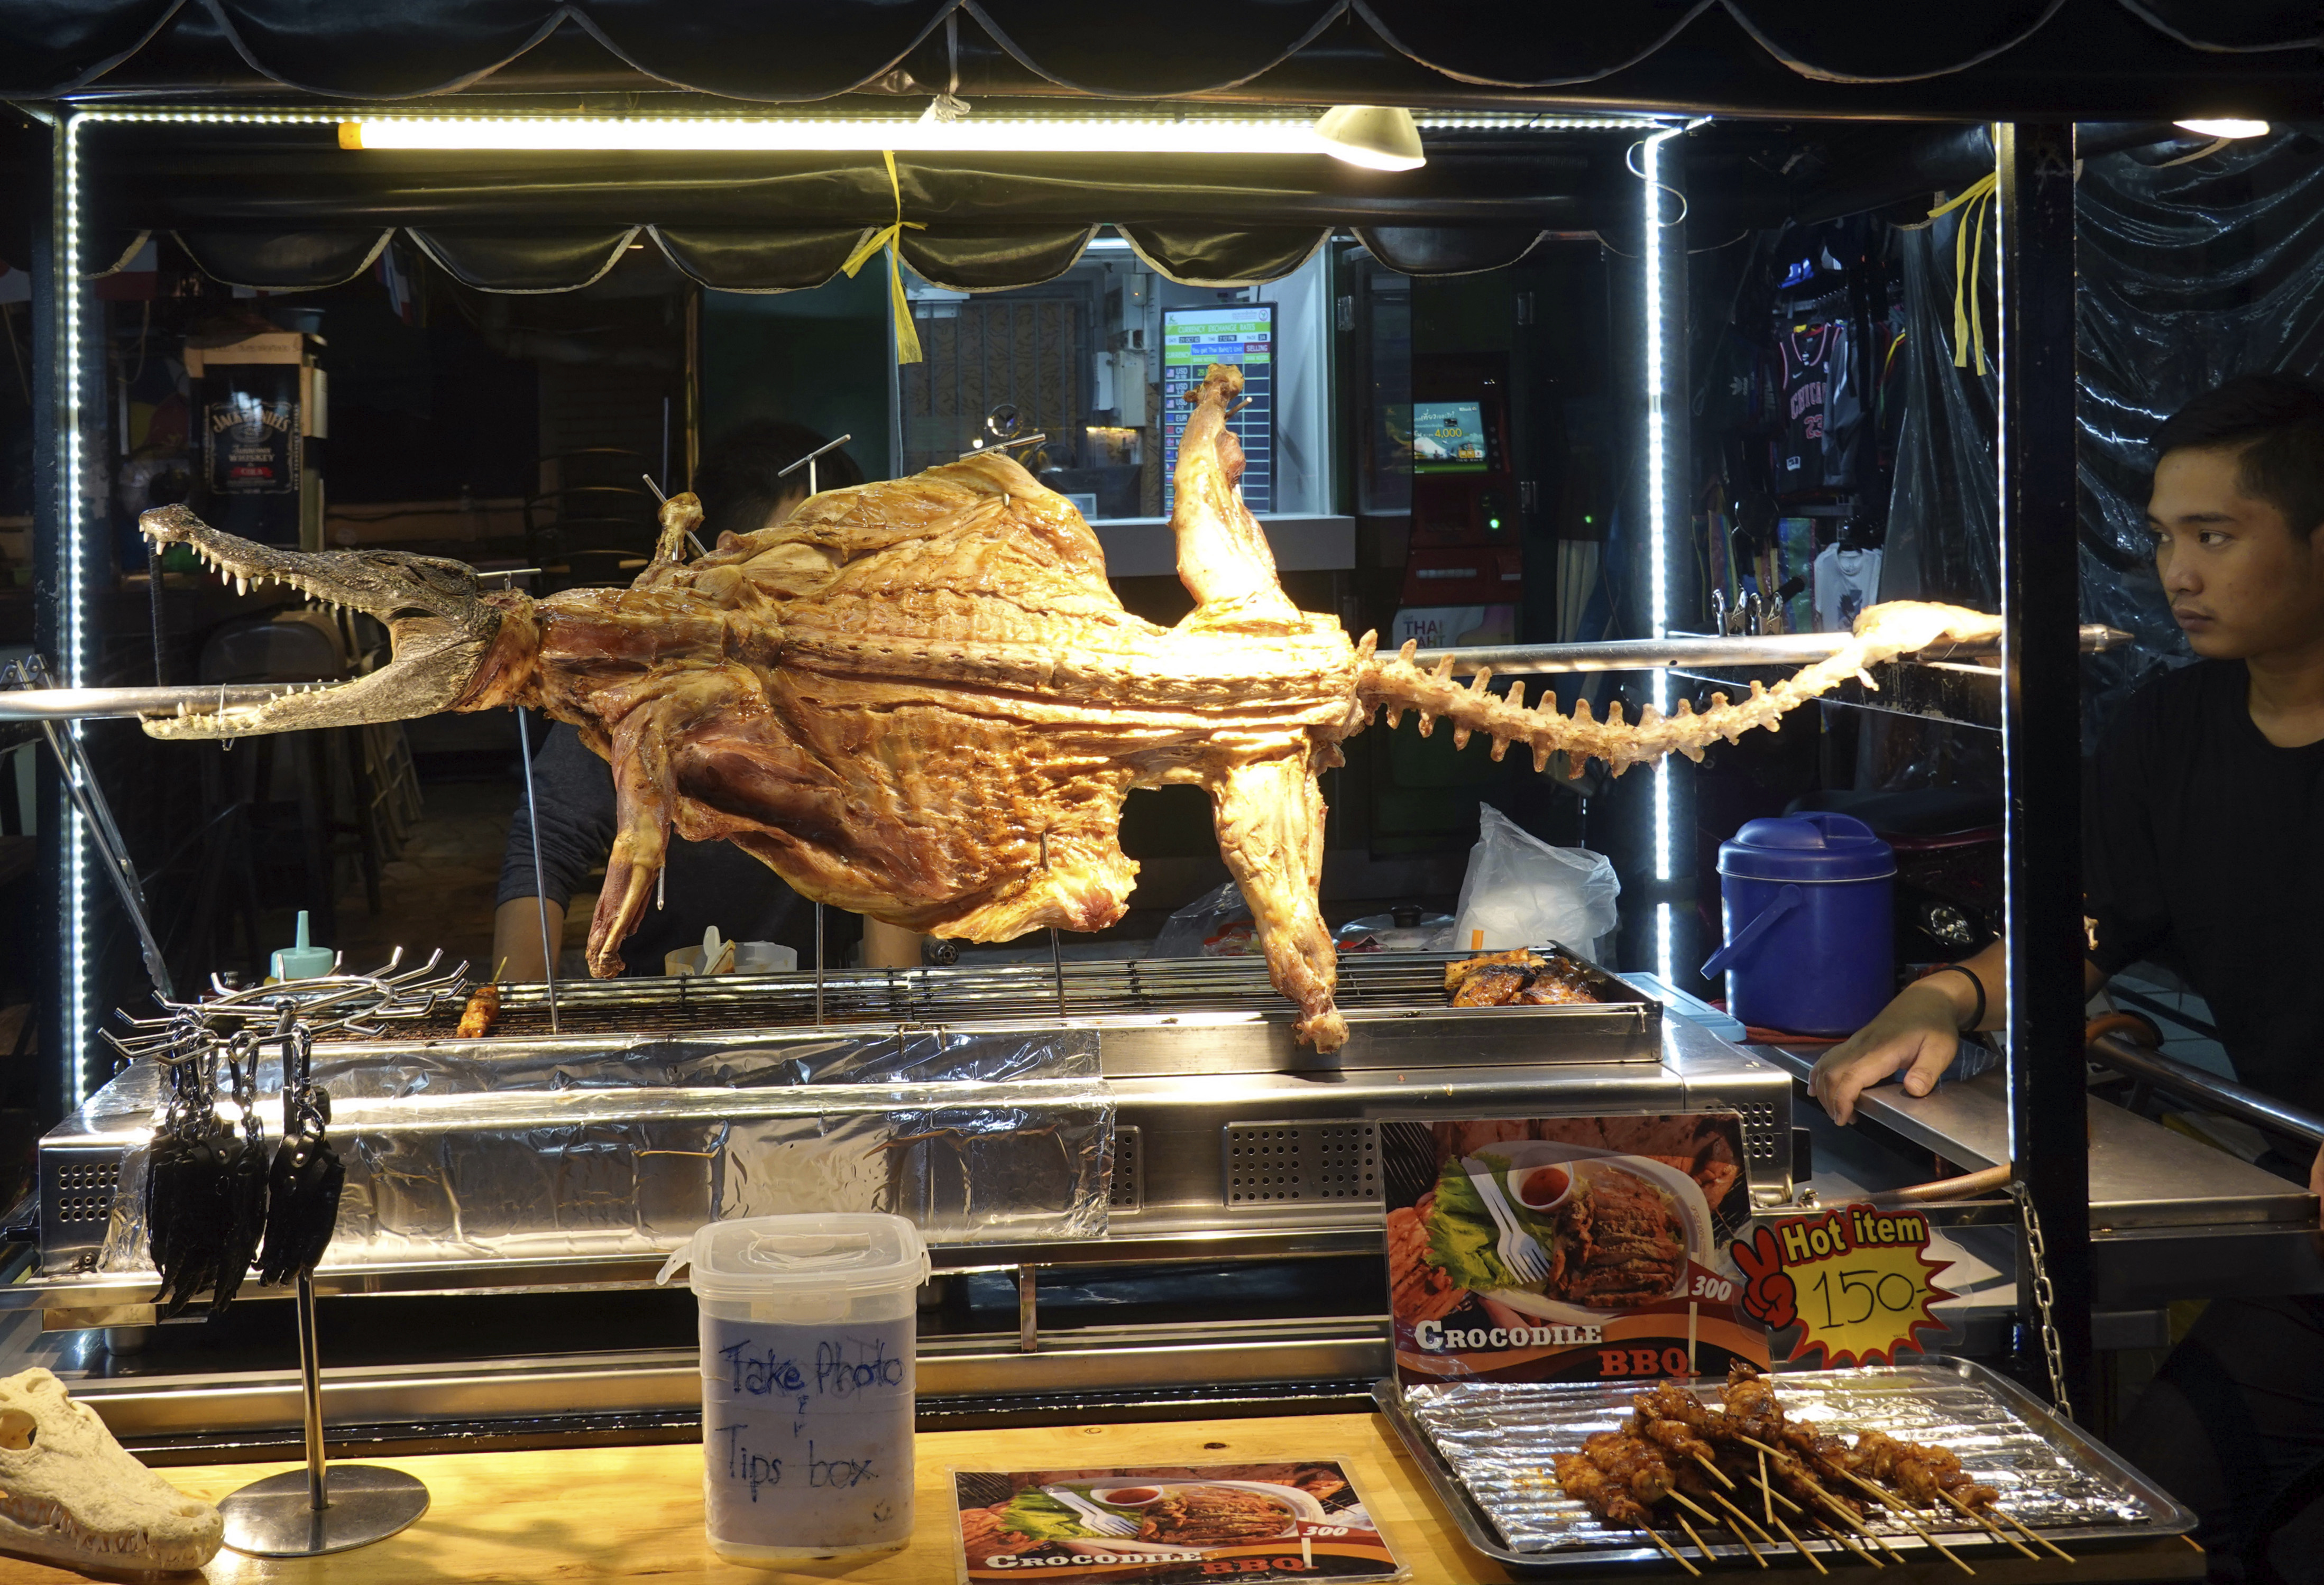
x,y
282,206
2161,55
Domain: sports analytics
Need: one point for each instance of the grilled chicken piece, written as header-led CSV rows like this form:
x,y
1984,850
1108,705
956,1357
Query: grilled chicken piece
x,y
1494,987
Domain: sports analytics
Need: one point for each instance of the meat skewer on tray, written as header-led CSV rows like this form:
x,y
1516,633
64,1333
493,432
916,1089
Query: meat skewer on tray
x,y
1615,1501
1814,1476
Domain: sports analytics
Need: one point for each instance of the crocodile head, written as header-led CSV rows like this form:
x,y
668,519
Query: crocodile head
x,y
440,624
70,1495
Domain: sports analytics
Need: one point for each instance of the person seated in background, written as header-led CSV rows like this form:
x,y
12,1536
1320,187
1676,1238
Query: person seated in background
x,y
705,883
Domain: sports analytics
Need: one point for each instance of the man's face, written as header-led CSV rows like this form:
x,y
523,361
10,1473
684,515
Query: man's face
x,y
2240,581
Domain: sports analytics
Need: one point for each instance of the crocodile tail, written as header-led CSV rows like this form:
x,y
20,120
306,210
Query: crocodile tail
x,y
1394,683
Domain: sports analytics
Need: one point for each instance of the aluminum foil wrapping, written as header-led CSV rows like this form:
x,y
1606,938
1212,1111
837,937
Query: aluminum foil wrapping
x,y
462,1151
1500,1438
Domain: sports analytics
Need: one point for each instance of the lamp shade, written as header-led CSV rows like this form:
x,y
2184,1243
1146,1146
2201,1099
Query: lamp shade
x,y
1380,136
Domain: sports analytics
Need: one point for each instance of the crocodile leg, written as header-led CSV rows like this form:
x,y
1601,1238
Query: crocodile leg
x,y
641,815
1269,815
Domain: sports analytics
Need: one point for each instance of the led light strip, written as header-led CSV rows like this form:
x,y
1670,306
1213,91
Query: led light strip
x,y
1659,511
1279,135
64,277
77,524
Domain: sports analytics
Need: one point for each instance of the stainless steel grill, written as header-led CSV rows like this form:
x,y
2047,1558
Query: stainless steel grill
x,y
1371,985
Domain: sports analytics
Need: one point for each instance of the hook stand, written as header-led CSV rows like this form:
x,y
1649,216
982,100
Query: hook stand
x,y
320,1510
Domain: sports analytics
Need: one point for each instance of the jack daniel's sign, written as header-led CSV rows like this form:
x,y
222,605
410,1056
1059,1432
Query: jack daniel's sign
x,y
250,438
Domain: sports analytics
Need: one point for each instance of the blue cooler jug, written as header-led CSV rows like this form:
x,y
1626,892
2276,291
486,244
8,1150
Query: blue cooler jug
x,y
1811,944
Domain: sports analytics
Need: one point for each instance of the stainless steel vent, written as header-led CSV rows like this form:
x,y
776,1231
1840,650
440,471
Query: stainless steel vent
x,y
87,1191
1334,1162
1766,1136
1127,1191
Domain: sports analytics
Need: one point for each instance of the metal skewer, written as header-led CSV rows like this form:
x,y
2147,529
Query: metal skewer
x,y
539,885
1737,649
1057,952
807,462
1620,655
690,539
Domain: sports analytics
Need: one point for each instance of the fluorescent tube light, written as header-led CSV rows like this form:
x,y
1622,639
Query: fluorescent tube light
x,y
971,135
2224,128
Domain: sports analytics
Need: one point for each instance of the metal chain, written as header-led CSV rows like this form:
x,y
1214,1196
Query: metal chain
x,y
2045,1300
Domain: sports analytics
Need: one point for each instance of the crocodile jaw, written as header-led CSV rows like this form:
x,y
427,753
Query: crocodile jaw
x,y
439,624
71,1494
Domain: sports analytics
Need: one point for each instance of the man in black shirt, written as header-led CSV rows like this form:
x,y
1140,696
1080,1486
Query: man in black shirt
x,y
2202,851
704,883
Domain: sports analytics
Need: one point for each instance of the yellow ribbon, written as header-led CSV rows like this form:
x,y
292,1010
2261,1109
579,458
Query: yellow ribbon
x,y
908,335
1969,251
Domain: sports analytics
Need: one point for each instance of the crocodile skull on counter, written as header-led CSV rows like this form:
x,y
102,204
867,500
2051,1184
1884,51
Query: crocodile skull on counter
x,y
71,1494
920,699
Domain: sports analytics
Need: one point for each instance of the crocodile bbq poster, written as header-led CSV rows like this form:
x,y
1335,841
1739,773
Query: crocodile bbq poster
x,y
1174,1524
1574,1249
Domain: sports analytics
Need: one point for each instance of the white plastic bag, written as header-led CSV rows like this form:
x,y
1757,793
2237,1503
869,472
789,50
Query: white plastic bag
x,y
1520,891
1216,925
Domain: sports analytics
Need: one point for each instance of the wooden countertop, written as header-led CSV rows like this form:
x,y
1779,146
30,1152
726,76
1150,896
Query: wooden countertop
x,y
635,1513
571,1515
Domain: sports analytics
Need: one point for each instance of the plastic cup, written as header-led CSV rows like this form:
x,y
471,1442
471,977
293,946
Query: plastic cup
x,y
807,1339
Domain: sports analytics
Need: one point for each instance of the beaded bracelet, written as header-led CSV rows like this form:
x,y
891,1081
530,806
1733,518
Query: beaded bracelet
x,y
1977,1017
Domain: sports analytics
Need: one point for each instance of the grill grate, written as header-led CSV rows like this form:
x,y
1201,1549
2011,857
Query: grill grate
x,y
1005,993
1302,1163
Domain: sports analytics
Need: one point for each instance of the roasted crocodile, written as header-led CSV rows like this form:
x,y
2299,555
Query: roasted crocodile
x,y
920,699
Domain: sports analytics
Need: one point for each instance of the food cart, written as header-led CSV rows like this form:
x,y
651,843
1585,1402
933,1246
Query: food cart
x,y
1136,1124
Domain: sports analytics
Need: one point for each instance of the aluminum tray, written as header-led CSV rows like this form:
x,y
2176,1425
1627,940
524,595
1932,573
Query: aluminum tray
x,y
1486,1447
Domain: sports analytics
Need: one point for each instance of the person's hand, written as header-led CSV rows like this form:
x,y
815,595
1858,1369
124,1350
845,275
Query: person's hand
x,y
1917,1033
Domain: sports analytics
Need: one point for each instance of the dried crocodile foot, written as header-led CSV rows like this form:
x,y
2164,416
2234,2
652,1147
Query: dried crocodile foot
x,y
71,1494
921,700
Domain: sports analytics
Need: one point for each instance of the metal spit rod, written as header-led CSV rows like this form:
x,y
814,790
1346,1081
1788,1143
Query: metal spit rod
x,y
1057,948
539,885
1613,655
1686,650
2208,1090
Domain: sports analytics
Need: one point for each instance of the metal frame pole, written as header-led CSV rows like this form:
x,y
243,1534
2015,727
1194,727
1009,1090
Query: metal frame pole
x,y
2040,721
